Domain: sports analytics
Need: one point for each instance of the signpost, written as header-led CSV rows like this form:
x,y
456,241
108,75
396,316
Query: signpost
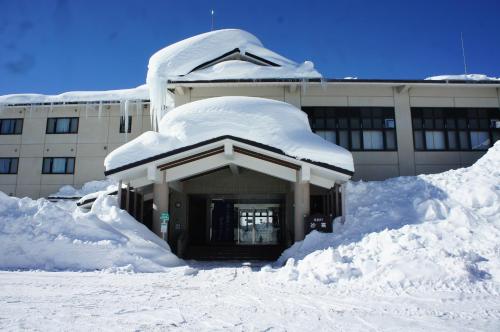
x,y
164,217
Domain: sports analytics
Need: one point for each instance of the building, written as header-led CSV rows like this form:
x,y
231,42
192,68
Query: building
x,y
391,127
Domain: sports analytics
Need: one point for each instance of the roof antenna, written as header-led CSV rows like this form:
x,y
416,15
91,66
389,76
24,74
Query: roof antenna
x,y
212,14
463,52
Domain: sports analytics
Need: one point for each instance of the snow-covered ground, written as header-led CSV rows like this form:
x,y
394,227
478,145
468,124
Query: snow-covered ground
x,y
416,253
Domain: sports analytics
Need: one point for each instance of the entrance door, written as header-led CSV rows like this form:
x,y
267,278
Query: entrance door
x,y
258,225
223,221
197,219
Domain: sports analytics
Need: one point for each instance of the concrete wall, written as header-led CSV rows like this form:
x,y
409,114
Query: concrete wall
x,y
97,136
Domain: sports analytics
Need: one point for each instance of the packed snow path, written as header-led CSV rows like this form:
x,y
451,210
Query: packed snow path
x,y
225,296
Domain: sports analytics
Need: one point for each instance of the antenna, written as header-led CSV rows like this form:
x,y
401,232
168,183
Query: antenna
x,y
463,52
212,14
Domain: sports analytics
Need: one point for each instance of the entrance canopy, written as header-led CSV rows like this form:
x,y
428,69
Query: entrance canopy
x,y
263,135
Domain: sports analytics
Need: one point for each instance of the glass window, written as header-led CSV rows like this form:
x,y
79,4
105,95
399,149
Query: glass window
x,y
390,138
346,126
58,165
62,125
479,140
8,165
373,140
434,140
11,126
454,128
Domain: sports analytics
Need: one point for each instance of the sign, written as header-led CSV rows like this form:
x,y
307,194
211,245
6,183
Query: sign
x,y
163,228
164,217
319,222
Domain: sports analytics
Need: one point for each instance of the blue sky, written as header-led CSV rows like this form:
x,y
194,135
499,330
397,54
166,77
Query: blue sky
x,y
52,46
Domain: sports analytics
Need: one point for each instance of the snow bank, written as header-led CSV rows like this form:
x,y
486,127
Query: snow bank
x,y
463,77
441,230
265,121
177,61
48,236
92,187
139,93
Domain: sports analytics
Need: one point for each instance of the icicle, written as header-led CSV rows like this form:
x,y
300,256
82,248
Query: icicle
x,y
31,110
161,100
304,85
51,107
86,110
126,106
100,109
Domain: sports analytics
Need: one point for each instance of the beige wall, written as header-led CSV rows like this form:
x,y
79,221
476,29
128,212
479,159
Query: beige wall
x,y
97,136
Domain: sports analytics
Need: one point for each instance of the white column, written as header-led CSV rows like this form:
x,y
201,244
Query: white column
x,y
404,132
301,207
119,194
160,204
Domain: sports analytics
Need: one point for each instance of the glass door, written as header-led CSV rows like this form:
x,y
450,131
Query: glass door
x,y
258,224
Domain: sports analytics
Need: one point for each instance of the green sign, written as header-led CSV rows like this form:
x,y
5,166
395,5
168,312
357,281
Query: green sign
x,y
164,217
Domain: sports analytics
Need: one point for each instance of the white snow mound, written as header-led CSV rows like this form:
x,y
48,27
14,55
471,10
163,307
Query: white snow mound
x,y
463,77
273,123
58,236
440,230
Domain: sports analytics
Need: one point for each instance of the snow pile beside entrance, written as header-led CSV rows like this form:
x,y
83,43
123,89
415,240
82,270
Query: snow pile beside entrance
x,y
273,123
48,236
463,77
442,230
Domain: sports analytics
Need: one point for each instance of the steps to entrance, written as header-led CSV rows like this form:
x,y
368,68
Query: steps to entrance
x,y
231,252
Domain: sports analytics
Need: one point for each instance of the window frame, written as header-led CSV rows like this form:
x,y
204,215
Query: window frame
x,y
10,172
357,113
21,120
122,125
51,163
453,115
71,119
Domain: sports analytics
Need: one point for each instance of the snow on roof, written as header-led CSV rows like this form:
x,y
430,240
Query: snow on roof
x,y
139,93
463,77
273,123
188,58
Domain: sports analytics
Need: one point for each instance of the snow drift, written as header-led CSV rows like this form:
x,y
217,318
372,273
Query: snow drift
x,y
441,230
48,236
270,122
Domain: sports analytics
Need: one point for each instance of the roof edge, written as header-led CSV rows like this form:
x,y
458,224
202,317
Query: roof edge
x,y
220,138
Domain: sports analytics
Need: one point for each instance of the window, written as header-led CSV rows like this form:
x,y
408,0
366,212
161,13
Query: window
x,y
8,165
62,126
11,126
58,165
124,124
455,128
355,128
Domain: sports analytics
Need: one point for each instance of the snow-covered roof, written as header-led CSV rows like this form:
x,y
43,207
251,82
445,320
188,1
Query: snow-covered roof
x,y
463,77
250,58
139,93
268,122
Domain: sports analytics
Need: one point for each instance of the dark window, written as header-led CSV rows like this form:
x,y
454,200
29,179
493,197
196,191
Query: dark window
x,y
125,124
455,128
11,126
8,165
58,165
355,128
62,126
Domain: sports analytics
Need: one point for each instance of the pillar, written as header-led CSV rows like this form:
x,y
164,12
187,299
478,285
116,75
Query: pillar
x,y
160,204
301,207
404,132
119,194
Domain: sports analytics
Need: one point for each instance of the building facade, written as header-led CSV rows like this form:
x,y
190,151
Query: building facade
x,y
392,128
